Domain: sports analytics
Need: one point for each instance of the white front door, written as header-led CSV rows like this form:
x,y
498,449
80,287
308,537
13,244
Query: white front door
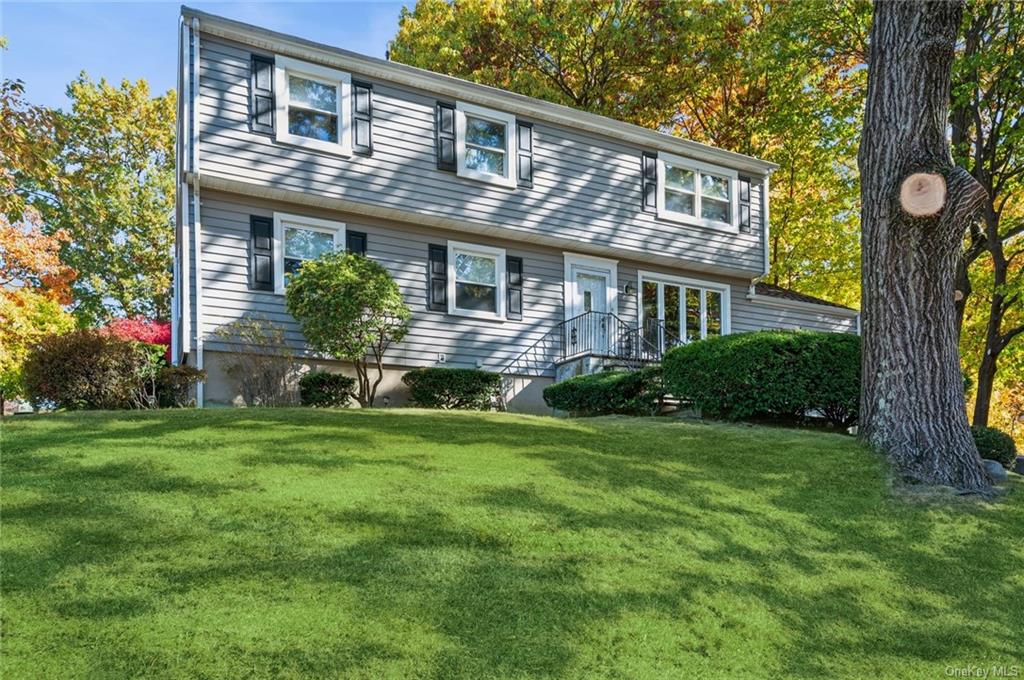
x,y
589,332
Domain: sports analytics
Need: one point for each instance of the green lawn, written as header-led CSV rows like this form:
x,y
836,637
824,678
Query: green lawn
x,y
275,543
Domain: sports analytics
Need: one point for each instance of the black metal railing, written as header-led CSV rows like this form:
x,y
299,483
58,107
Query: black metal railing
x,y
598,334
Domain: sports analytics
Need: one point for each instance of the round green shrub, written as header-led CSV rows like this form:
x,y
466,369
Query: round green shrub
x,y
995,445
322,389
452,388
608,392
86,369
790,374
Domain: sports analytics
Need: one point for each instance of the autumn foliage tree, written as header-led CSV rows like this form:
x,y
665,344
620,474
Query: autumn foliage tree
x,y
987,125
114,198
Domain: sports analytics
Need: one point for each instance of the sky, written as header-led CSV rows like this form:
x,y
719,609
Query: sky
x,y
49,43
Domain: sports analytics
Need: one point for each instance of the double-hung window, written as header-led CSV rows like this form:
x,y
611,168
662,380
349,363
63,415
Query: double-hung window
x,y
297,239
485,144
678,310
313,107
696,193
476,280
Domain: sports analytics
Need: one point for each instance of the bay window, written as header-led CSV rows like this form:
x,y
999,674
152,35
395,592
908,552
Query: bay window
x,y
696,193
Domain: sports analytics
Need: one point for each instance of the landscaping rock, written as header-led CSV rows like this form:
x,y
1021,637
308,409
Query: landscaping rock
x,y
995,470
1018,465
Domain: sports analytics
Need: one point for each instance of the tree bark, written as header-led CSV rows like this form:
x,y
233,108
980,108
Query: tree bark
x,y
912,399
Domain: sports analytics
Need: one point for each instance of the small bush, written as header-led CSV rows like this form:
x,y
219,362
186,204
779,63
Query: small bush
x,y
452,388
774,373
630,393
319,388
995,445
86,369
262,363
174,385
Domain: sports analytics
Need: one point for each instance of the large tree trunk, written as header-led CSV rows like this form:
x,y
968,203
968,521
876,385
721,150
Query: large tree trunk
x,y
916,207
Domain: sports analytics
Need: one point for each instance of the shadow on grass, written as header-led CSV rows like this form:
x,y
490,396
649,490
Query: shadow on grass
x,y
761,522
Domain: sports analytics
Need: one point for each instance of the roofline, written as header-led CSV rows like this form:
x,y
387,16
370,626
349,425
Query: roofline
x,y
787,303
484,95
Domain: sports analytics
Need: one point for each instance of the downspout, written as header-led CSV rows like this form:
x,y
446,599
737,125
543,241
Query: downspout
x,y
184,102
196,224
175,263
767,240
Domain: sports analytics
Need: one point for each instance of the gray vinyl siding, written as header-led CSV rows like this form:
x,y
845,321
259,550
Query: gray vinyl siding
x,y
402,249
585,188
750,315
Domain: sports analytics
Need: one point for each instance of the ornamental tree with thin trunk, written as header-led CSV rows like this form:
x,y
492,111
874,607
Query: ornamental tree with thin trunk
x,y
349,308
916,206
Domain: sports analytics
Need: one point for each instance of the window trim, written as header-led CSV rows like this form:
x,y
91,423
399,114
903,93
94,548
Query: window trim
x,y
282,220
500,279
698,168
283,66
511,154
654,277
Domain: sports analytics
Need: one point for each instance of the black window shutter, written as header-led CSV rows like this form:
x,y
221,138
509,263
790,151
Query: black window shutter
x,y
362,118
445,137
355,242
649,181
524,135
261,253
514,266
437,274
261,95
744,203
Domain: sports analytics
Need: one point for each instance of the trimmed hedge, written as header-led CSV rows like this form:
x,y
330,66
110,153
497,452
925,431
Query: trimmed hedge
x,y
87,369
323,389
769,373
452,388
995,445
608,392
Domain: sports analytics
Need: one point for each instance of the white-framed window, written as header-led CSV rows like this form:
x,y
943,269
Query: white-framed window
x,y
298,238
313,105
675,310
697,193
485,144
476,280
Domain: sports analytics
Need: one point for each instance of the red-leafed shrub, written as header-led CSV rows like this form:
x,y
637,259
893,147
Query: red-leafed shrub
x,y
142,330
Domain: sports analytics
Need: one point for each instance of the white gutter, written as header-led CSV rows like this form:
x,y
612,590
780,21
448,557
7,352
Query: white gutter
x,y
456,88
196,224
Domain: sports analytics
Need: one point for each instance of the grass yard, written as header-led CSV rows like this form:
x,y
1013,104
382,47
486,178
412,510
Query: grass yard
x,y
277,543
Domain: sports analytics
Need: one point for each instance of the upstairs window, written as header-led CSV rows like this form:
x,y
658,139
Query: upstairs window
x,y
313,106
696,193
297,239
485,144
476,280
